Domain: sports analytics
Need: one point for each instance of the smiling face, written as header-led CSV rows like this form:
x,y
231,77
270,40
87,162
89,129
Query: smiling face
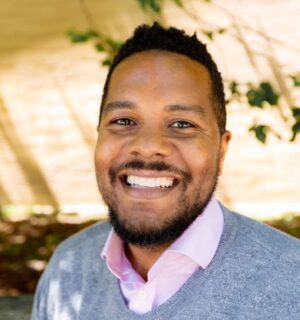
x,y
159,151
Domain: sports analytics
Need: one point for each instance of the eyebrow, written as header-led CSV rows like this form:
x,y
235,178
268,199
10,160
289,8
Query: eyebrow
x,y
187,108
115,105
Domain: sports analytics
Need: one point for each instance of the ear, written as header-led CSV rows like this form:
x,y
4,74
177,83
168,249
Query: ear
x,y
225,139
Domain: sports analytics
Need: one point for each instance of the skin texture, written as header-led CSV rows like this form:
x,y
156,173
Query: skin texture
x,y
158,113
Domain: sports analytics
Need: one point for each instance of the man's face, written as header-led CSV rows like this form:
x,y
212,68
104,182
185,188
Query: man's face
x,y
159,151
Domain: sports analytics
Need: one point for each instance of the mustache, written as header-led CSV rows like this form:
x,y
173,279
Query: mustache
x,y
154,166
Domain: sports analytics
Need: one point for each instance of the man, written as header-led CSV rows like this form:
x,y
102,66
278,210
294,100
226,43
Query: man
x,y
173,251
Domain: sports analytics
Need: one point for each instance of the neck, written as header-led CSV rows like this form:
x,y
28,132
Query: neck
x,y
142,259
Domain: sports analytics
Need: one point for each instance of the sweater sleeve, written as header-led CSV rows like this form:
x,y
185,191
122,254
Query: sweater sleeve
x,y
39,308
44,297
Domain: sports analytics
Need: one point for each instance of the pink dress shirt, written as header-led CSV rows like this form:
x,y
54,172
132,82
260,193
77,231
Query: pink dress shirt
x,y
195,248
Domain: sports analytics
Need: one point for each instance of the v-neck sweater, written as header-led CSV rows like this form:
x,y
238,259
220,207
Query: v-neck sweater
x,y
255,274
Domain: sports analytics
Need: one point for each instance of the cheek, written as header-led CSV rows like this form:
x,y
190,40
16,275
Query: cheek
x,y
108,154
201,160
105,150
104,147
102,156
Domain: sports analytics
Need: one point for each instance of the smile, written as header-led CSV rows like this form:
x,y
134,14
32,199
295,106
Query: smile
x,y
147,182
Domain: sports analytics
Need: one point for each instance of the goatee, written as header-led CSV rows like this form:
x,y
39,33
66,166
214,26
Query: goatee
x,y
170,229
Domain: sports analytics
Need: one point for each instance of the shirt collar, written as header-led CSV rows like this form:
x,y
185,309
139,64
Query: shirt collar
x,y
199,241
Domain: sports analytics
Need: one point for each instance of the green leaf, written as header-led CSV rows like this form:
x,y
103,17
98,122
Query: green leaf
x,y
260,132
179,3
114,44
150,4
106,62
154,5
296,80
269,93
78,37
263,93
295,130
99,47
209,34
221,30
142,3
296,112
234,88
255,98
92,34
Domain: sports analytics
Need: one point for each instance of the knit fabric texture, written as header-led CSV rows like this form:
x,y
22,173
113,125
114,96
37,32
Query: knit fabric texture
x,y
255,274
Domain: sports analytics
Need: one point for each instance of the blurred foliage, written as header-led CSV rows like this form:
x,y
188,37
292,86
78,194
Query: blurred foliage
x,y
296,126
156,5
288,223
259,95
264,93
107,46
260,132
296,80
26,246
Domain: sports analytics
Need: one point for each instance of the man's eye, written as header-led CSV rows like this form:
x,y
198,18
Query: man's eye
x,y
124,122
181,124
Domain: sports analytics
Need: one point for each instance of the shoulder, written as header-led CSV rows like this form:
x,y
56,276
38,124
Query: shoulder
x,y
76,257
264,263
75,264
80,251
268,238
94,233
88,239
264,245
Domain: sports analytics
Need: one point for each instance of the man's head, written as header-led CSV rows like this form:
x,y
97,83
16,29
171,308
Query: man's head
x,y
147,38
162,138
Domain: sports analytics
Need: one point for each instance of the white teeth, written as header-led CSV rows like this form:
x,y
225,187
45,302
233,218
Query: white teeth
x,y
161,182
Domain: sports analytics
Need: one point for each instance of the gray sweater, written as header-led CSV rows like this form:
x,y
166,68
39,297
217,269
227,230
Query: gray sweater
x,y
255,274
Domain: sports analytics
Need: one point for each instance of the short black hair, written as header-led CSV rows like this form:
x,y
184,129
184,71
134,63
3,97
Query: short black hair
x,y
156,37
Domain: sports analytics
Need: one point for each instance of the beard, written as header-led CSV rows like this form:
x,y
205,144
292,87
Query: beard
x,y
165,231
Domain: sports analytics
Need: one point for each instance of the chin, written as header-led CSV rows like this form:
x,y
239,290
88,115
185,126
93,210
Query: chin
x,y
148,229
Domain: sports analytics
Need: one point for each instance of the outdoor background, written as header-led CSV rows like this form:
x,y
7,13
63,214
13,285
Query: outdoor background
x,y
50,90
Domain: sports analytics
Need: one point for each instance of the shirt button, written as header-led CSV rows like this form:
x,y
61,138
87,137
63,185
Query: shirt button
x,y
142,294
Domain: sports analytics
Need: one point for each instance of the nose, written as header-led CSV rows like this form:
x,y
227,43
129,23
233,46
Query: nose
x,y
149,143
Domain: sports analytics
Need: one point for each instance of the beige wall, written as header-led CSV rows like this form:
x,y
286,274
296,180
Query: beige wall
x,y
50,92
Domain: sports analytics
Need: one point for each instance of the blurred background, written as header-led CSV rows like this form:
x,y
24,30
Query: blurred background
x,y
53,63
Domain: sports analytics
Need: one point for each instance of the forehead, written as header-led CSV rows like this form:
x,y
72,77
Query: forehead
x,y
157,64
161,76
